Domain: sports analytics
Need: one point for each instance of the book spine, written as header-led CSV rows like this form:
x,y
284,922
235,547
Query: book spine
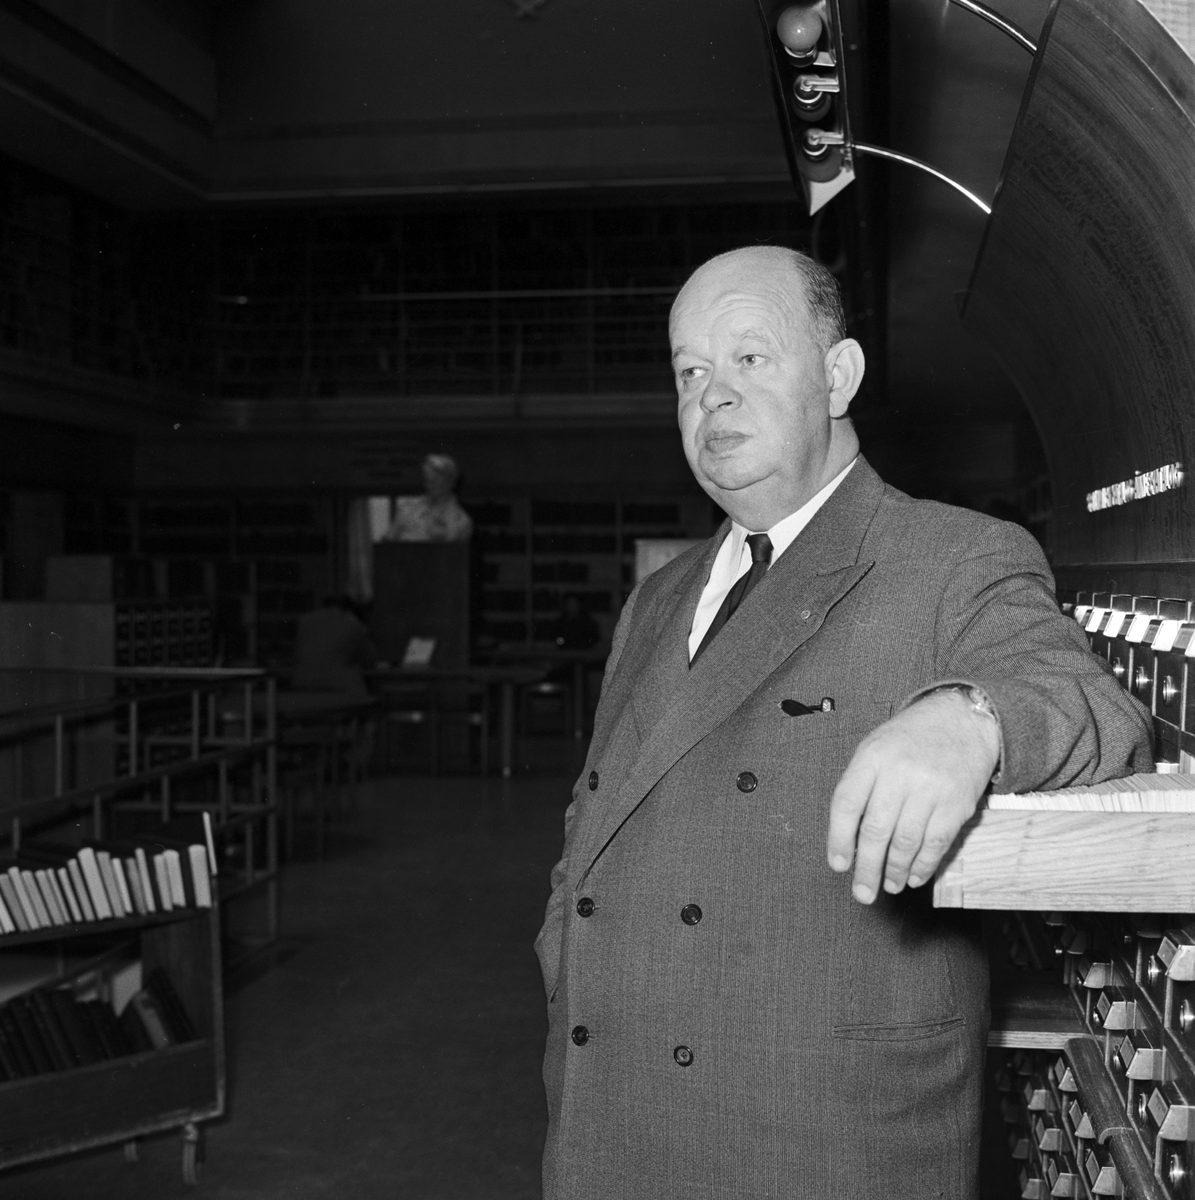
x,y
104,861
59,899
170,1002
18,884
200,878
82,892
147,889
90,868
133,879
6,921
15,909
16,1041
162,875
174,869
68,894
122,884
51,1030
78,1033
42,878
152,1019
30,1034
209,839
12,1065
107,1030
35,899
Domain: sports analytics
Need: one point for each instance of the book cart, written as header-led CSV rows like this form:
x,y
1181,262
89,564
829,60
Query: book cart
x,y
121,1099
195,740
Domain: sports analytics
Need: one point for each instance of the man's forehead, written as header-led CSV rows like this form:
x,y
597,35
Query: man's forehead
x,y
734,313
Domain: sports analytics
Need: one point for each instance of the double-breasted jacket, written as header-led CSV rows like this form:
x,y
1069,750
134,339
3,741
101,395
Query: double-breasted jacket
x,y
724,1019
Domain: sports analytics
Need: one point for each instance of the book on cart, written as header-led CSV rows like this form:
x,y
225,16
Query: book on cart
x,y
49,885
48,1029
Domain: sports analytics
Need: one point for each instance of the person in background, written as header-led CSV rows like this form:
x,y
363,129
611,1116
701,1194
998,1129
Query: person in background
x,y
436,516
333,649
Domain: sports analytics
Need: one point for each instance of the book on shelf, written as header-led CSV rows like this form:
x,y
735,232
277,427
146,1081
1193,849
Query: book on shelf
x,y
53,885
159,986
49,1029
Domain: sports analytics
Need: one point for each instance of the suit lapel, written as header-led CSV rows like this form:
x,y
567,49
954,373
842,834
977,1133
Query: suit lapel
x,y
783,611
666,661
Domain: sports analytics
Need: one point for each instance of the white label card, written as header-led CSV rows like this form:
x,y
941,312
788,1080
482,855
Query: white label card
x,y
1081,612
1167,633
1116,620
1093,622
1137,629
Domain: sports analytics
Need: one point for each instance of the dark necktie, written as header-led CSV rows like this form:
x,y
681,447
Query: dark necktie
x,y
761,555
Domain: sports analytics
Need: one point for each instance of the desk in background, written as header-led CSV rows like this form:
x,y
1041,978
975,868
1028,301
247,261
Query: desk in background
x,y
506,678
547,657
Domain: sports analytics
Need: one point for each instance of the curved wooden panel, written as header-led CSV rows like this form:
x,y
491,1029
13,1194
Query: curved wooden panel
x,y
1085,283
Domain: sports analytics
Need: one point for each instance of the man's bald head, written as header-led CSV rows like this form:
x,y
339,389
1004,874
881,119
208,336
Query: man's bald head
x,y
801,285
764,380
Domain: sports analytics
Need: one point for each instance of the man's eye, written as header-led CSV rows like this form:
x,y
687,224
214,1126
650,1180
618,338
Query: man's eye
x,y
689,373
751,360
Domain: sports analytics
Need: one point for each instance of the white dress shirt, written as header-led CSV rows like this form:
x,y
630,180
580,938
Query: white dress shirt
x,y
734,557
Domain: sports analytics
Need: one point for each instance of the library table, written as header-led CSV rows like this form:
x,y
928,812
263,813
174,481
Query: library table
x,y
507,678
549,656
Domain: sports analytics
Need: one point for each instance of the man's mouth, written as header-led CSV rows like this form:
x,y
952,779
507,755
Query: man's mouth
x,y
723,441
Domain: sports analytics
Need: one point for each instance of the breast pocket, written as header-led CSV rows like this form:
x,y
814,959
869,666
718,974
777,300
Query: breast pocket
x,y
824,732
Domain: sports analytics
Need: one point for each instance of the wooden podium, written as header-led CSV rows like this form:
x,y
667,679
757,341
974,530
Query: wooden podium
x,y
421,589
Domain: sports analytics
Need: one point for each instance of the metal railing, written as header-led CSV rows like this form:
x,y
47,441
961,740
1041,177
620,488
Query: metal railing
x,y
167,742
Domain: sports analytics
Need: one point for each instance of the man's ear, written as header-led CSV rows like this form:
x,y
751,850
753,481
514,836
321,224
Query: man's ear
x,y
844,373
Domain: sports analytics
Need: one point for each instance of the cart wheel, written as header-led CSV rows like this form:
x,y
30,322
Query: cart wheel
x,y
191,1154
132,1151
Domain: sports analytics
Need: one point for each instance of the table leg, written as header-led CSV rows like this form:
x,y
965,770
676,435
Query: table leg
x,y
578,700
508,728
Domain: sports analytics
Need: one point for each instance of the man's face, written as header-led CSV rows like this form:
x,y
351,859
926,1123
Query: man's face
x,y
754,402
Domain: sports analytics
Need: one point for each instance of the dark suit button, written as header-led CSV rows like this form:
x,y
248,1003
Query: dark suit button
x,y
585,907
746,782
683,1056
580,1035
690,914
593,781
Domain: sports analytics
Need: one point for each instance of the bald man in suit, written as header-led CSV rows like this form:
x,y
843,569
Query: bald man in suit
x,y
833,680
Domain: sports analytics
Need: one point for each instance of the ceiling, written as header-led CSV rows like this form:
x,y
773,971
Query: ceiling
x,y
157,105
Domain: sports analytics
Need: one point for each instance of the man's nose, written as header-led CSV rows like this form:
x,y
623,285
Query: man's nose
x,y
719,394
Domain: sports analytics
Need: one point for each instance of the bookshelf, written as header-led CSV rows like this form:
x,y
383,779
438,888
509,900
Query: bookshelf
x,y
258,564
254,564
121,1099
533,551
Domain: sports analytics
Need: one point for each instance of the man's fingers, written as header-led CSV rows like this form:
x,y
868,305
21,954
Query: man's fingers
x,y
871,849
846,808
940,832
905,844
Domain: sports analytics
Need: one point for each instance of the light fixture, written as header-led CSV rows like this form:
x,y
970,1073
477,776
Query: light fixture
x,y
806,47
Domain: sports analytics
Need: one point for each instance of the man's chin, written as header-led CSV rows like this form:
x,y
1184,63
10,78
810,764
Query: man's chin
x,y
725,475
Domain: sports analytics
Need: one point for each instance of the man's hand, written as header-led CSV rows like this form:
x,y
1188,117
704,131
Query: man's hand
x,y
907,791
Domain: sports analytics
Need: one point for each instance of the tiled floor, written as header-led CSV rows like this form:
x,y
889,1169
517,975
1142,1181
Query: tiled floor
x,y
391,1047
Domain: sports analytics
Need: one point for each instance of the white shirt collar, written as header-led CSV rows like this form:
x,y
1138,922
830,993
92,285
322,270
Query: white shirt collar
x,y
732,560
784,532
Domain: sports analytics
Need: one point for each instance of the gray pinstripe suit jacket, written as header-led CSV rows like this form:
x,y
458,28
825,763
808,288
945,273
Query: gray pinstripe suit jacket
x,y
836,1049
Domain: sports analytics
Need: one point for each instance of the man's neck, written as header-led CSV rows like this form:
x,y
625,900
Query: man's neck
x,y
761,512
